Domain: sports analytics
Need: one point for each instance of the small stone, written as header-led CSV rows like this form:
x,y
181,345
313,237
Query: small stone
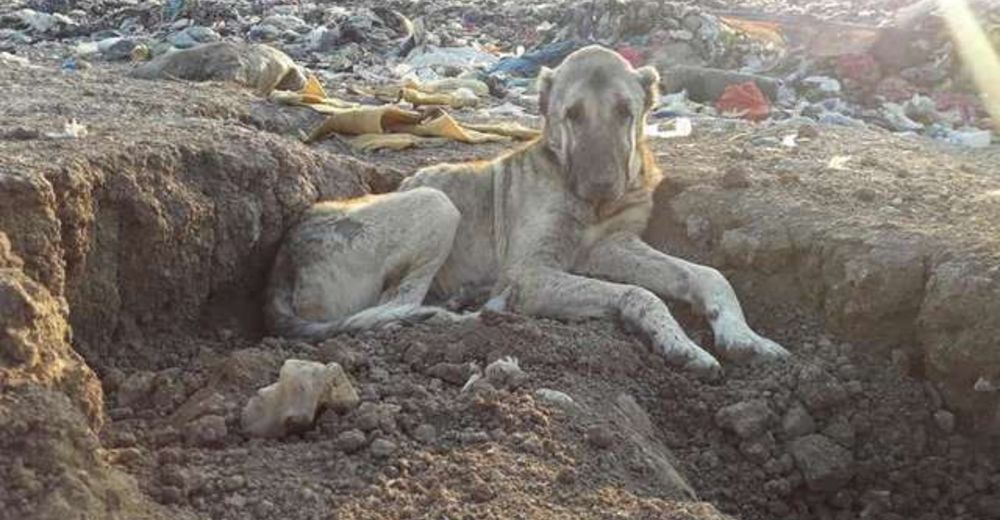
x,y
193,36
233,483
124,439
808,131
136,388
865,194
797,422
840,430
567,476
736,177
209,430
818,390
747,419
778,487
480,491
824,464
119,49
454,373
416,353
264,33
555,398
505,373
600,436
425,433
758,449
171,495
382,448
351,441
945,421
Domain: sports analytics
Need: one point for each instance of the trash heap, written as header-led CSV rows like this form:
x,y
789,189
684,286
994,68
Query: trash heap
x,y
898,69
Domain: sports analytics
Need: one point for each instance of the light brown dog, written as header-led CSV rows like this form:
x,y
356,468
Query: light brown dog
x,y
552,228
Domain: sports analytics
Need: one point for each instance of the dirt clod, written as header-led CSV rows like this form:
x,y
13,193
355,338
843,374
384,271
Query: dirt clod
x,y
825,465
746,419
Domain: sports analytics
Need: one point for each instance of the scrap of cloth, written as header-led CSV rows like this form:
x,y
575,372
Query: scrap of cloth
x,y
374,127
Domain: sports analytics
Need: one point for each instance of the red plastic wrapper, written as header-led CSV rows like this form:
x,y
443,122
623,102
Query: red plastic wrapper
x,y
745,98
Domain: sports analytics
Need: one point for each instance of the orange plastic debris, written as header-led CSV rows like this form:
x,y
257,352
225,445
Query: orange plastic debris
x,y
744,99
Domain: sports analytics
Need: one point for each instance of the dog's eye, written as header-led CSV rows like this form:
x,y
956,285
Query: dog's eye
x,y
622,110
574,113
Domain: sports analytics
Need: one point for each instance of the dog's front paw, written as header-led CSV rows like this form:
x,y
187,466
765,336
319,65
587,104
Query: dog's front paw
x,y
736,341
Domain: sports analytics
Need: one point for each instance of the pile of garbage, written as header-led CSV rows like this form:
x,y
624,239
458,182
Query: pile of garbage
x,y
903,74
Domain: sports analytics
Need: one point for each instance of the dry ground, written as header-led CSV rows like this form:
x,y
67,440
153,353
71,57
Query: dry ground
x,y
156,231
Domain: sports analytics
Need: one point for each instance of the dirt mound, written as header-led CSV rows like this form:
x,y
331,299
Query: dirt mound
x,y
841,434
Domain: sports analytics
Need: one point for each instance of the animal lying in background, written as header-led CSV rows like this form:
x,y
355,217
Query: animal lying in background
x,y
553,228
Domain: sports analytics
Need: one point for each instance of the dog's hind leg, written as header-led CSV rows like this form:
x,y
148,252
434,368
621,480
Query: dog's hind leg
x,y
626,258
361,264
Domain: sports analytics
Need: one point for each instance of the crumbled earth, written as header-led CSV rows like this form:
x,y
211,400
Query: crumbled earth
x,y
151,238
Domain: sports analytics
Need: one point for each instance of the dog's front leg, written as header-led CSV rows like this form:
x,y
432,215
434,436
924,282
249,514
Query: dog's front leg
x,y
625,258
542,291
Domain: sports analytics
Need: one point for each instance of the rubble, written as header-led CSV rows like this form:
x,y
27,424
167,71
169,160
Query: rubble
x,y
866,72
291,404
824,465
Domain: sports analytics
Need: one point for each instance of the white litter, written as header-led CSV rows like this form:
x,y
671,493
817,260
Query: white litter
x,y
682,128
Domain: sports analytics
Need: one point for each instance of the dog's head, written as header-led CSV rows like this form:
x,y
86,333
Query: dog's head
x,y
595,105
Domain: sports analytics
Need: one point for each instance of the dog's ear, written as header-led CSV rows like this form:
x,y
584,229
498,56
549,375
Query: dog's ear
x,y
649,78
545,78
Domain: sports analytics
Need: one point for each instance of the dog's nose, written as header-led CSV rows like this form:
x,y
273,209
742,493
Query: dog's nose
x,y
600,191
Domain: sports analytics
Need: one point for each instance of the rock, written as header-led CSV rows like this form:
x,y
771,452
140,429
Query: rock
x,y
600,436
841,430
797,422
808,131
505,373
136,388
759,448
736,177
425,433
291,403
416,353
377,415
209,430
193,36
866,194
351,441
824,464
945,421
818,389
555,398
264,33
454,373
747,419
119,49
382,448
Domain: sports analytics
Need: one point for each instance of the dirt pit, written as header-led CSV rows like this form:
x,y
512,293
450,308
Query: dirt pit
x,y
154,249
